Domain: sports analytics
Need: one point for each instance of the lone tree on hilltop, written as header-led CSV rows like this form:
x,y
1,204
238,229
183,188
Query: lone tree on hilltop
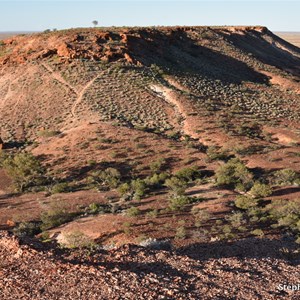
x,y
95,23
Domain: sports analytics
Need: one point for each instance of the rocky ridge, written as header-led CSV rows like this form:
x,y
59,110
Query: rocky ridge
x,y
31,271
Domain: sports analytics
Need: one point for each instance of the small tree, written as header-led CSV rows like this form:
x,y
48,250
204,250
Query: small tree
x,y
95,23
24,169
234,173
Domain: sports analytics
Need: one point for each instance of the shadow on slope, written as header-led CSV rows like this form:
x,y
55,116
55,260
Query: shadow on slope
x,y
247,248
178,52
267,50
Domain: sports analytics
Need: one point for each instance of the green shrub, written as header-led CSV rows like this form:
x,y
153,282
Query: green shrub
x,y
156,180
109,177
61,187
236,219
141,146
95,208
201,216
260,190
152,213
177,185
245,202
258,232
234,173
177,202
54,216
25,170
135,189
27,229
77,239
214,153
139,188
285,213
124,189
107,140
188,174
127,227
180,233
157,165
285,177
174,135
249,130
133,211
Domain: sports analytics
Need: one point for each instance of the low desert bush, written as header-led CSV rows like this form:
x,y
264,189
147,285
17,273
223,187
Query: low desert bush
x,y
156,180
152,213
236,219
285,213
257,232
48,133
201,216
180,233
138,187
135,189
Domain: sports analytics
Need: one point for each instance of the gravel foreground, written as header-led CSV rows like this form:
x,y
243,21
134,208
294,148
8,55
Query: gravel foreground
x,y
234,271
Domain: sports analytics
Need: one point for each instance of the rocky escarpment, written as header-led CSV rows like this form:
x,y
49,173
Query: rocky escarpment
x,y
131,44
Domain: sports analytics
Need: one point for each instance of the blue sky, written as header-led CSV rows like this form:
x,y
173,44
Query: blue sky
x,y
40,15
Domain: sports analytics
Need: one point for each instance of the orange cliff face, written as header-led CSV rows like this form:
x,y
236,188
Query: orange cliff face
x,y
81,44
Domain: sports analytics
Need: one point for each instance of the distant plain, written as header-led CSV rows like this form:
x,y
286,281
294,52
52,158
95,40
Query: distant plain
x,y
291,37
7,34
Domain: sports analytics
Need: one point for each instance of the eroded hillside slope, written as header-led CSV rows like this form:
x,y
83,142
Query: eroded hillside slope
x,y
51,81
131,128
